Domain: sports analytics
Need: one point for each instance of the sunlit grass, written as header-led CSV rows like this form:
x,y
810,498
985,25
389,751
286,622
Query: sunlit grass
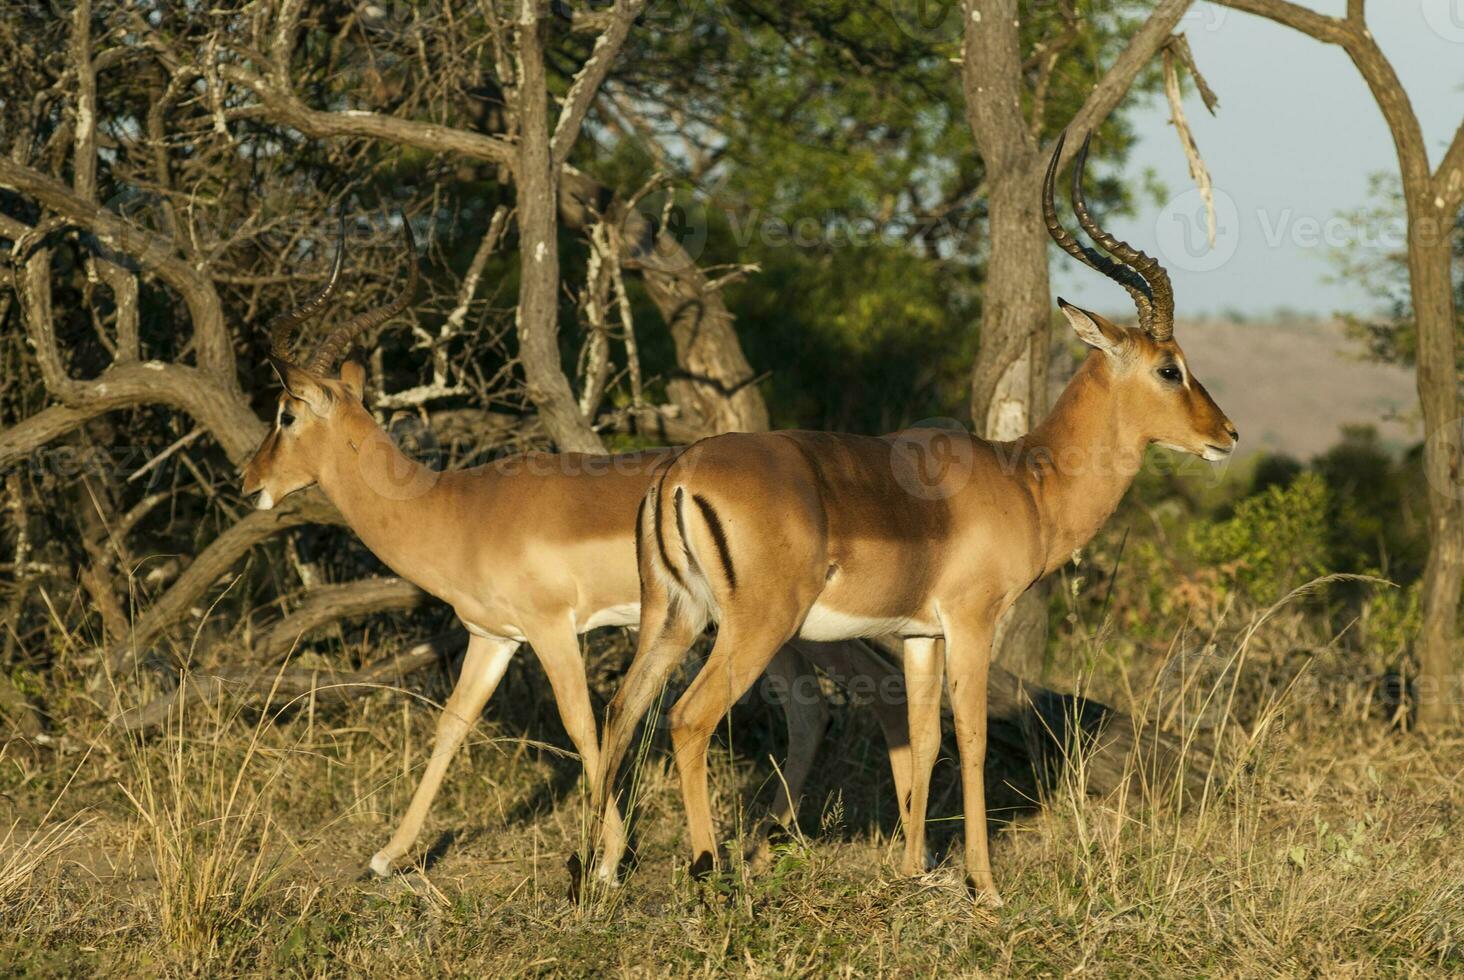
x,y
234,841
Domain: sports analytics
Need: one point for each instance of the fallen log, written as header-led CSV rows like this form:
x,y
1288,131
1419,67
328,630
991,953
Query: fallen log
x,y
284,684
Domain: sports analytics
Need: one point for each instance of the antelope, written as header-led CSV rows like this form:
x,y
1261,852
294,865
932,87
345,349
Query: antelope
x,y
831,536
535,548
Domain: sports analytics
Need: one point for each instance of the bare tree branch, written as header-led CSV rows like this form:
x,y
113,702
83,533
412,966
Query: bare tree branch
x,y
220,555
214,347
1329,29
84,160
1449,178
294,683
1175,53
222,413
587,80
1119,78
714,388
285,107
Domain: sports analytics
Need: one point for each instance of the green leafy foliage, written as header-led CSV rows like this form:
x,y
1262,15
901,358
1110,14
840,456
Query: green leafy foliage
x,y
1275,541
1377,516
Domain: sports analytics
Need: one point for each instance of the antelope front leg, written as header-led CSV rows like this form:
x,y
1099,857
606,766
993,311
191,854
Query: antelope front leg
x,y
483,666
968,658
923,668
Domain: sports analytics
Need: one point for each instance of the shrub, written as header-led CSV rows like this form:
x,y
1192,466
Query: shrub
x,y
1276,539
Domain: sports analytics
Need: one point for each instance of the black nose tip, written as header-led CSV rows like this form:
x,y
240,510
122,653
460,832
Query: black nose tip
x,y
1234,436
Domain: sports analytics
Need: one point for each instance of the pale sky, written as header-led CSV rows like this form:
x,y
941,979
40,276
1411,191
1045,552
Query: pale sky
x,y
1291,149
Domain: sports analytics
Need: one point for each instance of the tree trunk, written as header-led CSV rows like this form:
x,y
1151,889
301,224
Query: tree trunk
x,y
1009,382
538,308
1437,651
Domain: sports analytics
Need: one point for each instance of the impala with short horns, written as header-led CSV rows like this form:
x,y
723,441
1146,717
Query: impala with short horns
x,y
290,456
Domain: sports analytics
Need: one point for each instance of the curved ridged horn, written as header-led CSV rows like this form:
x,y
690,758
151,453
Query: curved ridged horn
x,y
340,338
1117,271
1160,321
281,326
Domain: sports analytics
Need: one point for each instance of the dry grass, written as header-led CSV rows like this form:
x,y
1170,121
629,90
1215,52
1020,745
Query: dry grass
x,y
234,842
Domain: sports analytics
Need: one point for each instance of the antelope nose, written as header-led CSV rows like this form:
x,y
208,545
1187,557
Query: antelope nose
x,y
1230,431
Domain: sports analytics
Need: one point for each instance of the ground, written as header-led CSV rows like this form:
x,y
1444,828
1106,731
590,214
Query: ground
x,y
235,843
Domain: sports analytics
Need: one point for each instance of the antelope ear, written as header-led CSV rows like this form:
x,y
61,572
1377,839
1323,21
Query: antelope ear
x,y
1092,329
353,376
303,386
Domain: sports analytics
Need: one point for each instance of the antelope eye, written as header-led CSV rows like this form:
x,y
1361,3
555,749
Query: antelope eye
x,y
1171,373
287,419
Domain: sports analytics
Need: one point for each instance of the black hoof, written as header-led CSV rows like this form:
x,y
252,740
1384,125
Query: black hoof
x,y
702,866
982,896
576,869
778,835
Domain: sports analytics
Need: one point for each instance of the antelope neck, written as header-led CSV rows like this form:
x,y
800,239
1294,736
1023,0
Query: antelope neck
x,y
1081,460
395,504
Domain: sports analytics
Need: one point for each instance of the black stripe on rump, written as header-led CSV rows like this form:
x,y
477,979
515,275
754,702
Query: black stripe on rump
x,y
640,524
714,524
661,538
692,567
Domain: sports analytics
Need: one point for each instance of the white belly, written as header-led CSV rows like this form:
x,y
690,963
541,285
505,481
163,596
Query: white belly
x,y
507,631
823,623
625,614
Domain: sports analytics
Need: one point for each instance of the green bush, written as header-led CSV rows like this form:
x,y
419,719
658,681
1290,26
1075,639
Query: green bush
x,y
1275,541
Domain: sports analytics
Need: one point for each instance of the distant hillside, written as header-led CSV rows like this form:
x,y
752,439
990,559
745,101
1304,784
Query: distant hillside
x,y
1290,387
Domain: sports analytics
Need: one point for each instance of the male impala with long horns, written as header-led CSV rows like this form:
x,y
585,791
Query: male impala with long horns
x,y
828,536
537,549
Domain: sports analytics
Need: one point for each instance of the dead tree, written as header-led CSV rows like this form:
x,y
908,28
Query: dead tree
x,y
1432,198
